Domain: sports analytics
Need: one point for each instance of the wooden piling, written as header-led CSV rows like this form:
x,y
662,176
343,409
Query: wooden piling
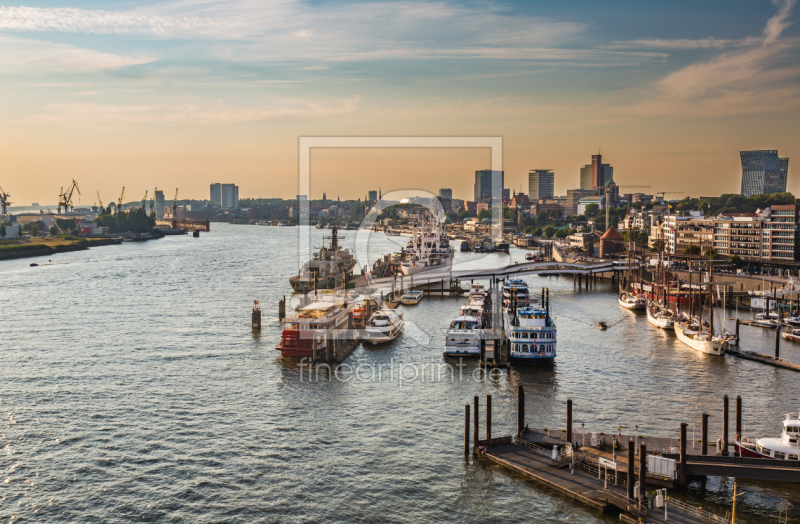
x,y
682,471
738,418
475,434
642,471
568,436
631,466
725,424
737,330
466,428
256,317
778,343
520,411
488,417
704,435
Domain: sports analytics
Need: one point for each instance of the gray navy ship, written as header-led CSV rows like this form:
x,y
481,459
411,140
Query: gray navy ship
x,y
327,269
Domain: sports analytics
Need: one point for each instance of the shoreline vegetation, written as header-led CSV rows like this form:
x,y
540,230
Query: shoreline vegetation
x,y
35,247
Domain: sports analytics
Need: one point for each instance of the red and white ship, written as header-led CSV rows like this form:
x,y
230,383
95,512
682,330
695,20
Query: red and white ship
x,y
785,447
315,326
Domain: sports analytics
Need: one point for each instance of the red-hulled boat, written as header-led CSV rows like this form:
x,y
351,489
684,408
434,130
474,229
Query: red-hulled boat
x,y
785,447
315,326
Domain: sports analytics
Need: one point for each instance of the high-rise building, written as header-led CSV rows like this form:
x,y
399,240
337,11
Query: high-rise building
x,y
446,193
159,203
216,194
230,196
483,184
574,196
763,172
372,196
586,177
602,174
541,184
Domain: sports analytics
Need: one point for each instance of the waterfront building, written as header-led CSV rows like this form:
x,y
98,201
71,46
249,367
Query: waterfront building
x,y
483,184
770,236
446,193
225,196
216,194
541,184
159,204
763,172
682,232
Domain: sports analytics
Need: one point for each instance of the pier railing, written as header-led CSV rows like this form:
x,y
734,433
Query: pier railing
x,y
696,511
541,450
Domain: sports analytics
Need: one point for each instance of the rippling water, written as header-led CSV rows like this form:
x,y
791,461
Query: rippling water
x,y
133,388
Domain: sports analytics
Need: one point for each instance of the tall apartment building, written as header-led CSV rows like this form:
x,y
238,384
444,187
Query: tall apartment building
x,y
680,232
541,184
225,196
159,203
763,172
483,184
446,193
586,177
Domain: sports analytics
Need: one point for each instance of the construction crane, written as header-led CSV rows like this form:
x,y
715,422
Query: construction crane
x,y
65,198
175,205
144,200
153,202
4,202
119,202
662,193
99,201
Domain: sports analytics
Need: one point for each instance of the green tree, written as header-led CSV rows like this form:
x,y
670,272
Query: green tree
x,y
537,232
3,230
53,231
562,233
484,213
692,250
549,231
34,230
591,210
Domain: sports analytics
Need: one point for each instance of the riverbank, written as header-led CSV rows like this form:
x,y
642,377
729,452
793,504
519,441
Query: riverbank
x,y
26,247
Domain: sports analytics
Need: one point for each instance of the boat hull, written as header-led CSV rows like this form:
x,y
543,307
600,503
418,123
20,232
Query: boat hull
x,y
710,347
745,451
663,323
462,351
533,361
790,337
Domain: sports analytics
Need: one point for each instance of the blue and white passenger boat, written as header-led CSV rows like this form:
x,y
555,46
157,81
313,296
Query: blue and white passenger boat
x,y
532,335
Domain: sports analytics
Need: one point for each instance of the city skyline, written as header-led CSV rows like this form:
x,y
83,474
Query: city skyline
x,y
182,94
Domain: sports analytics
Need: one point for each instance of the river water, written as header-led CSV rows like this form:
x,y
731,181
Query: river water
x,y
132,387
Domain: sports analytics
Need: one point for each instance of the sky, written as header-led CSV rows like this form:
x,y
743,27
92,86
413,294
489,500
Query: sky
x,y
185,93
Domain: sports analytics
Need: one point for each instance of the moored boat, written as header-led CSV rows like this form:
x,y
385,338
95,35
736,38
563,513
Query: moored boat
x,y
631,301
792,336
328,268
316,328
411,298
532,335
660,316
463,338
691,334
785,447
384,326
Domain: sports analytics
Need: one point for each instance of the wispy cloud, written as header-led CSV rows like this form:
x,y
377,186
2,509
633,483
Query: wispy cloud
x,y
94,114
21,54
683,44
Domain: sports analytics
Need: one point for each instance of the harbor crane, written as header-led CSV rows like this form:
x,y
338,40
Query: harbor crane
x,y
4,201
119,202
144,200
175,205
65,198
99,201
662,193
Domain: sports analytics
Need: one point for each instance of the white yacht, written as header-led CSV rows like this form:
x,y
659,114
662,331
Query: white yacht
x,y
463,338
785,447
516,288
383,326
428,249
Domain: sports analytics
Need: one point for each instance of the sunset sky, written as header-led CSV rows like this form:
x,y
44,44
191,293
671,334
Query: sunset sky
x,y
189,92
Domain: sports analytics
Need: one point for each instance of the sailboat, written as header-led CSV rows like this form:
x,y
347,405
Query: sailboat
x,y
694,334
658,314
629,299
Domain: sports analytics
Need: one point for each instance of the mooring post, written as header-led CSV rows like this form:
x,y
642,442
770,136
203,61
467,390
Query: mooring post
x,y
520,411
466,428
282,308
488,417
682,471
778,343
631,469
642,471
725,424
737,330
704,435
568,436
475,436
738,418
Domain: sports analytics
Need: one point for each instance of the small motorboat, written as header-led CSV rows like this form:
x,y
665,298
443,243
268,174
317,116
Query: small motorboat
x,y
411,298
384,326
792,336
34,264
602,326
